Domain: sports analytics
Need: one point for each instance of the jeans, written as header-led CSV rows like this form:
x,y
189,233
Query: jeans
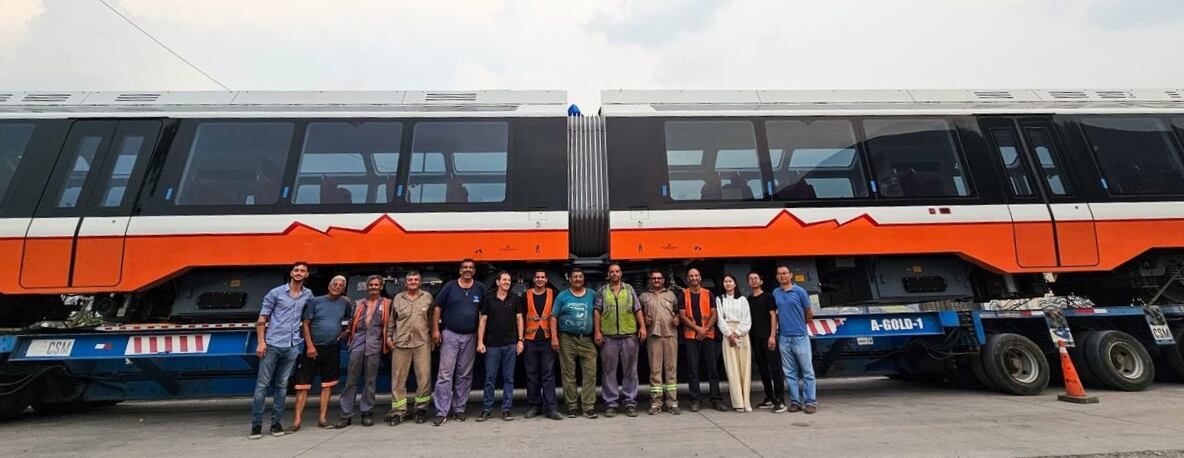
x,y
540,375
500,361
796,357
454,377
283,359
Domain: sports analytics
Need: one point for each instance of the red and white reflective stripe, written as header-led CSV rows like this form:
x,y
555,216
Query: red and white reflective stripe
x,y
824,326
172,327
157,345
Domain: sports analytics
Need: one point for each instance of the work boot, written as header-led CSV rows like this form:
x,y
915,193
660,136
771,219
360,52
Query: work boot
x,y
460,416
674,410
610,412
343,423
695,406
421,416
794,408
533,412
590,414
719,405
439,420
554,415
811,408
485,414
367,419
507,416
630,411
655,409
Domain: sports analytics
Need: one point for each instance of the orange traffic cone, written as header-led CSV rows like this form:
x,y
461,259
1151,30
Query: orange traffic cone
x,y
1074,392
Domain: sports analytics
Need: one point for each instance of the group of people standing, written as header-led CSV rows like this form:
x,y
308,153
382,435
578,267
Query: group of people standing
x,y
576,327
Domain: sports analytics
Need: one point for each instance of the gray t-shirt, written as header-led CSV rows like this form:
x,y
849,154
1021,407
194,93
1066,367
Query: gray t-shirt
x,y
325,318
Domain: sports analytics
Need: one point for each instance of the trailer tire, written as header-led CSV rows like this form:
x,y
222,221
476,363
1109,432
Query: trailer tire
x,y
1015,365
1119,361
1171,359
1080,356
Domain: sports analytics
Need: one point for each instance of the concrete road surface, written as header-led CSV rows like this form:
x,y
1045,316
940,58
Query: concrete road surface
x,y
858,417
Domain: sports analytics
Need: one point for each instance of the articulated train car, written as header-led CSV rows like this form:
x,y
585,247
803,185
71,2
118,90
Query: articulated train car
x,y
181,205
906,196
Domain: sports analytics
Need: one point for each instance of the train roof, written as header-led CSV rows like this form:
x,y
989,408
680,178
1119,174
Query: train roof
x,y
494,103
686,103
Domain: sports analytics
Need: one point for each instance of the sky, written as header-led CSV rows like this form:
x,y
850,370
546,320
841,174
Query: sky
x,y
586,46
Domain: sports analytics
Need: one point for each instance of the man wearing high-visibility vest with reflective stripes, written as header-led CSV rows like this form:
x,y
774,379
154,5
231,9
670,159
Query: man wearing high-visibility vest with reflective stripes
x,y
538,355
697,311
619,332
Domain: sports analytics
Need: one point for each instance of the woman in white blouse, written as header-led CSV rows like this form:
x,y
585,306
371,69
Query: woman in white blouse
x,y
735,320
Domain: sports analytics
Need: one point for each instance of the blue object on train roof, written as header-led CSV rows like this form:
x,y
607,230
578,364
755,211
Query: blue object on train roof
x,y
573,110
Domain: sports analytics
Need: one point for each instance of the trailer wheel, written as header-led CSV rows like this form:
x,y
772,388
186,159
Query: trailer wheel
x,y
1080,356
1171,359
1119,361
1015,364
980,372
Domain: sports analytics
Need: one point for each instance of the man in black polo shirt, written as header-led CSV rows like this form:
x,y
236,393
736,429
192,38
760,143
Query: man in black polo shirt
x,y
456,306
499,338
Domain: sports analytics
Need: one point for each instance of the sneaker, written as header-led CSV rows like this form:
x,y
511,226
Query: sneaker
x,y
779,407
277,430
256,432
674,410
654,410
631,411
719,405
766,404
794,408
610,412
533,412
439,420
590,414
554,416
367,419
695,406
507,416
343,423
485,414
460,416
811,408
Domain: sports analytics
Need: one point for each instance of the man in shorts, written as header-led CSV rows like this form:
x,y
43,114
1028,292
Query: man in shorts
x,y
324,326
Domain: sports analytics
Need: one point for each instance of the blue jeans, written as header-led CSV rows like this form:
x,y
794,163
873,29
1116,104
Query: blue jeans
x,y
796,356
283,359
500,360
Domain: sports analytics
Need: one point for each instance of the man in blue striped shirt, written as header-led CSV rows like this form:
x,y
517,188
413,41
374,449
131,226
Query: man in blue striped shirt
x,y
278,331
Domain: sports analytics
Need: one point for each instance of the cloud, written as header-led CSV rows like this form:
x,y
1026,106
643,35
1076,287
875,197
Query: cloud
x,y
588,46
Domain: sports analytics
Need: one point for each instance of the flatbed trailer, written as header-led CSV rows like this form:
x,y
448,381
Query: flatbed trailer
x,y
1008,351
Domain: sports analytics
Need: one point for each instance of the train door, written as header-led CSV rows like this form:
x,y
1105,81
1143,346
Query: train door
x,y
1052,227
76,237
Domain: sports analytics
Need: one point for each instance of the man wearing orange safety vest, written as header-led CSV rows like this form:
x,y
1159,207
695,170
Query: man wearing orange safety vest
x,y
367,343
697,311
539,356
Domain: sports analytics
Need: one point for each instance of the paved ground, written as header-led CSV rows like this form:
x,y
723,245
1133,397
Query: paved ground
x,y
859,417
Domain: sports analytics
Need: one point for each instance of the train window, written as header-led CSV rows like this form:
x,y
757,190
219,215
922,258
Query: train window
x,y
235,163
458,162
83,159
916,158
815,159
1040,140
130,148
1008,148
1137,155
712,160
348,163
14,141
